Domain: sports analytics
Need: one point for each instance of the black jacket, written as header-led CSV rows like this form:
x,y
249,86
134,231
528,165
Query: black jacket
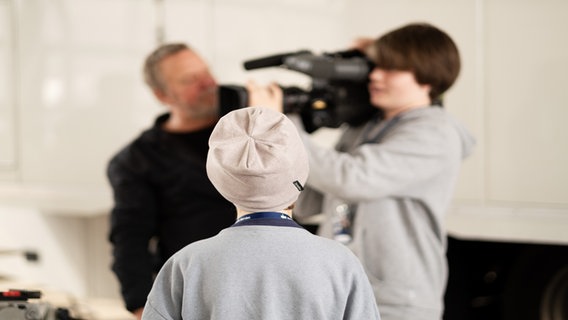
x,y
161,192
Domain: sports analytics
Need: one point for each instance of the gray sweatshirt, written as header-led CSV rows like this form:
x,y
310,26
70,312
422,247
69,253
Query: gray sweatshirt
x,y
399,189
262,272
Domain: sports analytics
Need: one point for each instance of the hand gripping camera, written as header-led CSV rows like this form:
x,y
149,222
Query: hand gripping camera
x,y
339,90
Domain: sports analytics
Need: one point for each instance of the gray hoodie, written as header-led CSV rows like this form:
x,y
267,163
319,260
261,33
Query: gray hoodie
x,y
398,188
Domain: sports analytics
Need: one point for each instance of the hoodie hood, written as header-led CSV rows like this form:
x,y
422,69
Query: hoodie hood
x,y
467,139
435,112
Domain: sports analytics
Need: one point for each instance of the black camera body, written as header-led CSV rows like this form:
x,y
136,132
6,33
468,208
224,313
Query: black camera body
x,y
339,90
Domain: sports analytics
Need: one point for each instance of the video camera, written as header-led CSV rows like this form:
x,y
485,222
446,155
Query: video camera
x,y
339,92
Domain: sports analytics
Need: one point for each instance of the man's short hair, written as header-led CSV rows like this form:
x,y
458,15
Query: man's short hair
x,y
152,75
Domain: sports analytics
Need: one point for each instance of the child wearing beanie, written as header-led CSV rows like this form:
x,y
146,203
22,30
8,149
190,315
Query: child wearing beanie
x,y
265,266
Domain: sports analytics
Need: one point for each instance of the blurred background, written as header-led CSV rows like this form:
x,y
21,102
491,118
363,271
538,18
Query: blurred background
x,y
72,94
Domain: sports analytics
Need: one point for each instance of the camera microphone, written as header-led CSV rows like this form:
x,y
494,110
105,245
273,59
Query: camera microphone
x,y
271,61
355,69
338,93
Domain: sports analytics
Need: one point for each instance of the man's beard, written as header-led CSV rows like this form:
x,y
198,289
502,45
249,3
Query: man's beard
x,y
207,107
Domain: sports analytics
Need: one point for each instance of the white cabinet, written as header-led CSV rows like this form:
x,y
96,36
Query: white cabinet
x,y
8,138
527,101
71,95
81,94
74,94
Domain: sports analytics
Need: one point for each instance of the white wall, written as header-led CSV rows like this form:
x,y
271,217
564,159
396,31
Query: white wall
x,y
71,94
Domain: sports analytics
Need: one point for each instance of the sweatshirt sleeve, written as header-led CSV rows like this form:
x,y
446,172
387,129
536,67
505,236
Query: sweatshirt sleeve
x,y
132,225
165,298
411,153
361,303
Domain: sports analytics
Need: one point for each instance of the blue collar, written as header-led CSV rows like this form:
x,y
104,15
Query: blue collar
x,y
266,219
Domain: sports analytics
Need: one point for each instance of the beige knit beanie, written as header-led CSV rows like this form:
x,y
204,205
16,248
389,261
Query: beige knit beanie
x,y
257,159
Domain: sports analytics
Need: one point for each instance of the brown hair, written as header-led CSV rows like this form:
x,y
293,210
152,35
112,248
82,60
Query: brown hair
x,y
152,75
423,49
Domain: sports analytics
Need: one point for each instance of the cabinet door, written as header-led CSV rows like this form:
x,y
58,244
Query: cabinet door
x,y
526,101
8,134
82,94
